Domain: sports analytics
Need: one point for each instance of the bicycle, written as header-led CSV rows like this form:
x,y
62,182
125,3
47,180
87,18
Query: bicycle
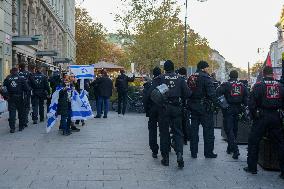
x,y
134,104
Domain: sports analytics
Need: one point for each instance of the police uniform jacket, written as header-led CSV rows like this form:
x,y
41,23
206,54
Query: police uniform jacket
x,y
15,85
266,95
39,85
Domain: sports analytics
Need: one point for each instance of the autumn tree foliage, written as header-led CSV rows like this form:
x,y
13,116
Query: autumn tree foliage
x,y
92,44
158,34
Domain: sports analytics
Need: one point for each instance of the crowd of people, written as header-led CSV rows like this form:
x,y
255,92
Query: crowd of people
x,y
177,105
174,103
23,88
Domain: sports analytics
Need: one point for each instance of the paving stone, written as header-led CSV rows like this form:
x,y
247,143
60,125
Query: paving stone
x,y
114,153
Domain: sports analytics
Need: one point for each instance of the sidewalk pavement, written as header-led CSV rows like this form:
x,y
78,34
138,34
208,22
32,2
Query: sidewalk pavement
x,y
113,153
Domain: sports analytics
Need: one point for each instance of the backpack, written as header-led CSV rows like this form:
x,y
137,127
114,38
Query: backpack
x,y
192,81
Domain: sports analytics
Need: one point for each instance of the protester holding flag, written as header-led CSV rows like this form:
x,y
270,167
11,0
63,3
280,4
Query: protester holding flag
x,y
64,107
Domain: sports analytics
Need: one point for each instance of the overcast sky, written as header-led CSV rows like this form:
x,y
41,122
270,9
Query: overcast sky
x,y
236,28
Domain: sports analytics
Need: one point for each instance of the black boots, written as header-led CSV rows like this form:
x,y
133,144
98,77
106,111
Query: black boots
x,y
155,155
252,171
211,155
236,154
229,150
165,160
180,160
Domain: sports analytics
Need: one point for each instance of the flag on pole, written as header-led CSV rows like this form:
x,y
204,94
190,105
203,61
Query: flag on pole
x,y
51,116
268,61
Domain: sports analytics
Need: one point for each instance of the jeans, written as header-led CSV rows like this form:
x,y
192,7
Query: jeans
x,y
103,101
65,122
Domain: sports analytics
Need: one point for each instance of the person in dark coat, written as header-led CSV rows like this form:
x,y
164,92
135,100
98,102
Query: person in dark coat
x,y
64,107
152,111
105,86
16,86
121,85
265,103
40,91
201,105
236,95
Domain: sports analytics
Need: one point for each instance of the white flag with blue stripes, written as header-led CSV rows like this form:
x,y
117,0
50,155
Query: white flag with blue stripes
x,y
83,71
51,116
81,109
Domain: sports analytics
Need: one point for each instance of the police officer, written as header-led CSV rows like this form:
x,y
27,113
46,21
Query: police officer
x,y
16,86
266,99
26,75
201,106
185,117
171,114
236,95
40,91
152,111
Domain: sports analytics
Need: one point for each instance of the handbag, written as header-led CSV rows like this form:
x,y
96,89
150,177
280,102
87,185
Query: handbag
x,y
3,105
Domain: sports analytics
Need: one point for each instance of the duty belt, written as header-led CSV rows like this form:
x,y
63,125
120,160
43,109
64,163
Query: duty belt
x,y
174,101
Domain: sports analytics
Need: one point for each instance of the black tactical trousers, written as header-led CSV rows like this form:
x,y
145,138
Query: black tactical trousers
x,y
26,109
206,120
185,124
231,118
15,104
38,107
268,122
171,116
153,127
122,100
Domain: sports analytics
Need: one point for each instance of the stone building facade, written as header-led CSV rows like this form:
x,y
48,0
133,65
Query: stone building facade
x,y
277,47
220,60
51,21
5,37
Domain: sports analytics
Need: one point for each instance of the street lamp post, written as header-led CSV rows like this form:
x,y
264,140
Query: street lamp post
x,y
185,33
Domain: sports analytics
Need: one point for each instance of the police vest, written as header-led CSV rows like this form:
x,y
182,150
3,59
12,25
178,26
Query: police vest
x,y
235,92
38,81
271,97
14,85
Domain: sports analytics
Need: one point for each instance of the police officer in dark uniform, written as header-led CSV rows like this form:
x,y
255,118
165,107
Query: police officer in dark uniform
x,y
152,111
236,95
201,106
265,102
186,114
26,75
171,114
16,86
40,91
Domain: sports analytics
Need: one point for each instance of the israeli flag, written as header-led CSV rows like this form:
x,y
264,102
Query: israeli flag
x,y
51,116
83,71
81,109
